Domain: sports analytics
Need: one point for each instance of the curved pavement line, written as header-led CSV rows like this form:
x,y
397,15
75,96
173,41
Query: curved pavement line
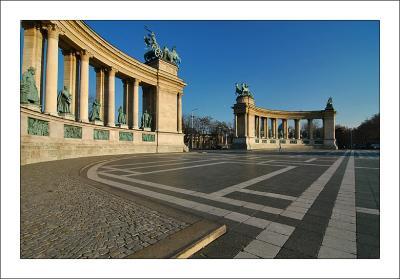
x,y
232,215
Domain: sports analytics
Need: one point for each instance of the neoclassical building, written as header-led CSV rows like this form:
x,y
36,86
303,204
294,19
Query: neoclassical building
x,y
48,134
257,128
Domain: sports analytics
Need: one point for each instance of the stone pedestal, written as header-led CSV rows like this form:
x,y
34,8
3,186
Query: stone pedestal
x,y
98,122
66,115
163,66
31,106
124,126
146,129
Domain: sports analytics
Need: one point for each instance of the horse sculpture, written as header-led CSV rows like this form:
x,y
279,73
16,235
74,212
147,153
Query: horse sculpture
x,y
154,50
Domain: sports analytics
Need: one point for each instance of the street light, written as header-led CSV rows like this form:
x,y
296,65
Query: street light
x,y
192,116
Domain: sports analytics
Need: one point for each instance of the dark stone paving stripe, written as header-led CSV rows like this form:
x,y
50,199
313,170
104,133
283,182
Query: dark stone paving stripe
x,y
230,207
217,176
367,188
308,235
368,243
294,183
268,201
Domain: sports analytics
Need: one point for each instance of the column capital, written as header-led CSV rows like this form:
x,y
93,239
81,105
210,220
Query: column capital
x,y
53,31
111,70
28,24
99,69
137,82
85,54
67,52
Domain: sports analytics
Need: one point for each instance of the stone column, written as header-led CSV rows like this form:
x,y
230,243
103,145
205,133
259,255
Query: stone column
x,y
273,128
259,126
125,102
32,52
236,125
266,128
111,98
126,88
70,76
51,70
179,113
84,87
310,129
246,126
136,104
297,128
100,90
285,129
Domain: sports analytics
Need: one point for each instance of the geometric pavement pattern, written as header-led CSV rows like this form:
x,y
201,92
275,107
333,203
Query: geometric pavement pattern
x,y
308,204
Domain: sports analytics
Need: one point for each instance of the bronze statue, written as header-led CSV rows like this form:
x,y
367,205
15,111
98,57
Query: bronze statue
x,y
329,103
146,120
28,91
64,101
95,112
243,90
154,51
121,116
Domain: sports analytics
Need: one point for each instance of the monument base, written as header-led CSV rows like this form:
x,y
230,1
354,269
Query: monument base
x,y
330,144
124,126
66,115
31,106
98,122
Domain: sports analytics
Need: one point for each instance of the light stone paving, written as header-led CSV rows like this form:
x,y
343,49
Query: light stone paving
x,y
367,210
344,213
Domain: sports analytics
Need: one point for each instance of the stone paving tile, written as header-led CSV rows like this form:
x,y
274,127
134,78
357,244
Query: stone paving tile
x,y
273,238
262,249
70,219
330,253
340,244
245,255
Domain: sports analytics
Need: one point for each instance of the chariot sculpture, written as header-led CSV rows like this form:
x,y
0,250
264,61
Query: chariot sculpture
x,y
154,50
243,90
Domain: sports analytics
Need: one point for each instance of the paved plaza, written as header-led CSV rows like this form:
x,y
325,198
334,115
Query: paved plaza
x,y
311,204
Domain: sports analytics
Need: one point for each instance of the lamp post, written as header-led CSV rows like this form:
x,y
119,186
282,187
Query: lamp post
x,y
191,136
351,138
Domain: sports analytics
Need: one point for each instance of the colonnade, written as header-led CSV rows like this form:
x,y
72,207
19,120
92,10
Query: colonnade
x,y
262,128
76,79
252,126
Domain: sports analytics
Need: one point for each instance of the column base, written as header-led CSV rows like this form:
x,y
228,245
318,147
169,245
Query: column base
x,y
330,144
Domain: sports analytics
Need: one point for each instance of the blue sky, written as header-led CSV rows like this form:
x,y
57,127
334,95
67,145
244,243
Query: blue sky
x,y
289,65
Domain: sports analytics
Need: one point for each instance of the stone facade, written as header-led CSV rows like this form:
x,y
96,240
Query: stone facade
x,y
81,48
252,130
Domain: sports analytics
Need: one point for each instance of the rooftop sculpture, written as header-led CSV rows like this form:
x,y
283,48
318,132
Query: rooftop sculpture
x,y
329,104
154,50
243,90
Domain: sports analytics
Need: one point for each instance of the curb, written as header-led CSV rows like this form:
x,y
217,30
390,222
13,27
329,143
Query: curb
x,y
184,243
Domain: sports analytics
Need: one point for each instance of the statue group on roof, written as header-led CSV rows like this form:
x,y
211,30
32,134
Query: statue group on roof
x,y
154,50
243,90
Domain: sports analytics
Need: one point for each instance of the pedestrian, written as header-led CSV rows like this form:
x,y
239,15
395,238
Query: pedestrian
x,y
280,146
